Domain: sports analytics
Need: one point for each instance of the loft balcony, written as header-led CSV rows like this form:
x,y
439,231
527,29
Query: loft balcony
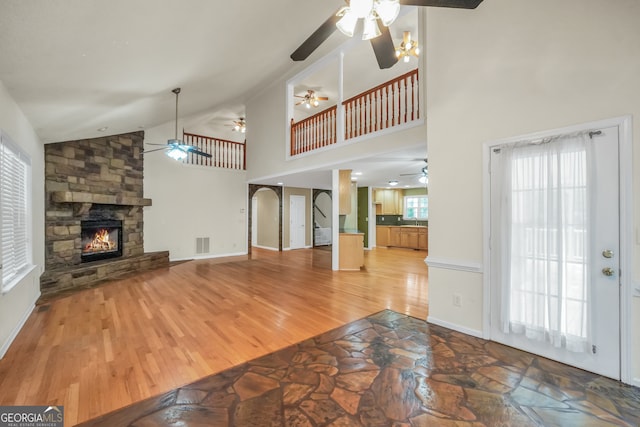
x,y
224,154
392,104
388,105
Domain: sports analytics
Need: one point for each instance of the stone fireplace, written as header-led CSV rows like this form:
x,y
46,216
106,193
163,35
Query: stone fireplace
x,y
94,212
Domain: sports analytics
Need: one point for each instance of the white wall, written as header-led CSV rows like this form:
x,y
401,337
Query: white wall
x,y
190,202
17,304
508,68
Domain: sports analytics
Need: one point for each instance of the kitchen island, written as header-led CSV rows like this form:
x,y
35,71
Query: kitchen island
x,y
351,250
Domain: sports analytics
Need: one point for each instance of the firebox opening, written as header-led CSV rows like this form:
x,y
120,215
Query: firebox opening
x,y
101,239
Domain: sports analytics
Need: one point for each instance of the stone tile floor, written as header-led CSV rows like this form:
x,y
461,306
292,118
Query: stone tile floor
x,y
391,370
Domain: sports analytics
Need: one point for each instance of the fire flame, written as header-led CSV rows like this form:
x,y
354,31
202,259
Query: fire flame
x,y
100,242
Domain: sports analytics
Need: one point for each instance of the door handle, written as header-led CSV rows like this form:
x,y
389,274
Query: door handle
x,y
608,271
607,253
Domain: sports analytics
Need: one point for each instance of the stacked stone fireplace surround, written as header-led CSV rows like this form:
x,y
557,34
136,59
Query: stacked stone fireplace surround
x,y
94,179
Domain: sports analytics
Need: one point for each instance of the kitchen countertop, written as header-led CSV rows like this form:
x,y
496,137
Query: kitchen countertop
x,y
403,226
348,231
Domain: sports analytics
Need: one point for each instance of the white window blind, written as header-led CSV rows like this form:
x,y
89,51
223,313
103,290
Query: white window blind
x,y
14,214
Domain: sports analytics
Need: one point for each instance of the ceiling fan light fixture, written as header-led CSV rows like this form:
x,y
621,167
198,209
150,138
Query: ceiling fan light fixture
x,y
176,153
240,125
423,179
407,48
371,29
347,24
387,11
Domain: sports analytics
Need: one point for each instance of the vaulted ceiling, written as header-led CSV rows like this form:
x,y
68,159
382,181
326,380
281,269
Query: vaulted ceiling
x,y
89,68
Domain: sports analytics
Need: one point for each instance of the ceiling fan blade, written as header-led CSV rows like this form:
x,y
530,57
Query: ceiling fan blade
x,y
151,143
155,149
384,49
322,98
320,35
200,153
461,4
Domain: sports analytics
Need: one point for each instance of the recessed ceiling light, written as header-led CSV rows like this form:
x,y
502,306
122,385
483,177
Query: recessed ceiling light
x,y
281,183
357,173
102,129
393,182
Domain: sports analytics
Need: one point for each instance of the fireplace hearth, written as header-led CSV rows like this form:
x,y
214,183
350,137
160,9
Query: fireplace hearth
x,y
101,239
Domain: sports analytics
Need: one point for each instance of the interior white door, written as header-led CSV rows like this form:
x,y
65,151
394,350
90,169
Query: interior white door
x,y
297,222
601,240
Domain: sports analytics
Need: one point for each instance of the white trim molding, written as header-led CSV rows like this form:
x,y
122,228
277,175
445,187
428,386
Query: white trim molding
x,y
454,327
454,264
198,257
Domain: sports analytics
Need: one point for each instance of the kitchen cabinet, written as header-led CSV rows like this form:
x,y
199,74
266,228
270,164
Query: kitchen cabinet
x,y
394,236
344,191
423,238
409,237
391,201
382,235
406,236
351,251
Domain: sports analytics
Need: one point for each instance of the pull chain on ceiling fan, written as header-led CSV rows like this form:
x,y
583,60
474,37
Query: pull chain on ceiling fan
x,y
176,149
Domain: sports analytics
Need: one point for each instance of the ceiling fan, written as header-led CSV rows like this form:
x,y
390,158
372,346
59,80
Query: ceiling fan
x,y
176,149
424,173
239,125
371,10
310,99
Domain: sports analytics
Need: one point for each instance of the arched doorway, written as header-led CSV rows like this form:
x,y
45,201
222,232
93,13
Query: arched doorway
x,y
253,190
322,219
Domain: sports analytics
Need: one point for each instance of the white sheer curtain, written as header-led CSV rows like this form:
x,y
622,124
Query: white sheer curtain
x,y
545,231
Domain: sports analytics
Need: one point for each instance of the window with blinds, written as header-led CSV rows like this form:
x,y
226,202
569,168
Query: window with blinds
x,y
15,252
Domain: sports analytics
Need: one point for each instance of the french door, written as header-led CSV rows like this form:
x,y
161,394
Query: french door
x,y
555,251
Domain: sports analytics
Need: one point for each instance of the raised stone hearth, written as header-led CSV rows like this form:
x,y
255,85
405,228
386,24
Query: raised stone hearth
x,y
94,179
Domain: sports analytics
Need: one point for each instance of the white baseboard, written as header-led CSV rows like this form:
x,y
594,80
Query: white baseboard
x,y
18,327
289,249
211,256
269,248
454,264
452,326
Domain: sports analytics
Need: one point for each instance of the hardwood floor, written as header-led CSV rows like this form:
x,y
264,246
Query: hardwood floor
x,y
104,348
